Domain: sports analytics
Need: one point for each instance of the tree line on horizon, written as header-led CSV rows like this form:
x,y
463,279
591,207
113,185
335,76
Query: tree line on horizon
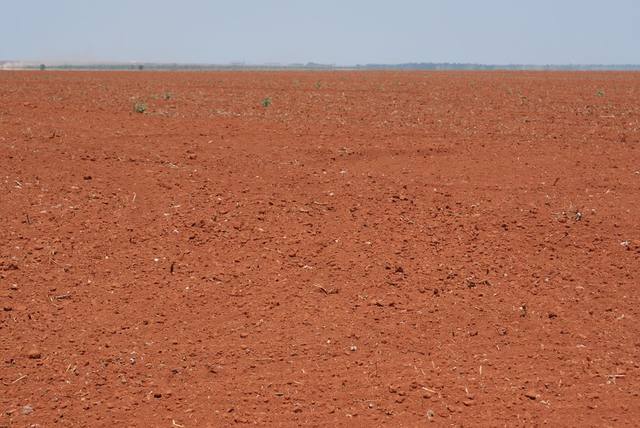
x,y
317,66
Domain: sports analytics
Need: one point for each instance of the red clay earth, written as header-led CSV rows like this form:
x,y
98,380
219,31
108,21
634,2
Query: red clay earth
x,y
375,248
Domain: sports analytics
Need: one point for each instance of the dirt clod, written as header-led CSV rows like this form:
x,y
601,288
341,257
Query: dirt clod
x,y
34,354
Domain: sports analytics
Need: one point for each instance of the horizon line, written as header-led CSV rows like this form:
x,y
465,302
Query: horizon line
x,y
169,65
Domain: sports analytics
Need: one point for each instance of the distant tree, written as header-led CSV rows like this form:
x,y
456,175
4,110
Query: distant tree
x,y
140,67
43,67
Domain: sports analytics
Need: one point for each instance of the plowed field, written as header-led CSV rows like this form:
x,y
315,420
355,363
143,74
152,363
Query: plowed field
x,y
328,249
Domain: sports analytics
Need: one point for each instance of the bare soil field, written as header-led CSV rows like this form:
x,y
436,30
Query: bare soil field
x,y
366,249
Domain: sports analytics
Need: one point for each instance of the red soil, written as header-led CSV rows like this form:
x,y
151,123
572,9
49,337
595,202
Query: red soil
x,y
371,249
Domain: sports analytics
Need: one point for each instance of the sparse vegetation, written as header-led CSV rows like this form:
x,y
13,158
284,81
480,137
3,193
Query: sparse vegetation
x,y
600,93
139,106
266,102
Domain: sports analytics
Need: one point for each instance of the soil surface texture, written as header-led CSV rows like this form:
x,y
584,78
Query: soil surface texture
x,y
319,249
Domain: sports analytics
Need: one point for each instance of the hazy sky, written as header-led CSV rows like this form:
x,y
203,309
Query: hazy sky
x,y
340,32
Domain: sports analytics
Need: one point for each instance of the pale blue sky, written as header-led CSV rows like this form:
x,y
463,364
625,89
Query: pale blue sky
x,y
328,31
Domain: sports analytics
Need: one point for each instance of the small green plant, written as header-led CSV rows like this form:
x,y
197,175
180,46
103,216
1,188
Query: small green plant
x,y
167,96
266,102
139,107
600,93
318,85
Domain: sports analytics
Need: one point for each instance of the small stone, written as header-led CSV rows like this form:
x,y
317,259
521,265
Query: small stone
x,y
243,335
430,414
531,395
27,410
353,348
